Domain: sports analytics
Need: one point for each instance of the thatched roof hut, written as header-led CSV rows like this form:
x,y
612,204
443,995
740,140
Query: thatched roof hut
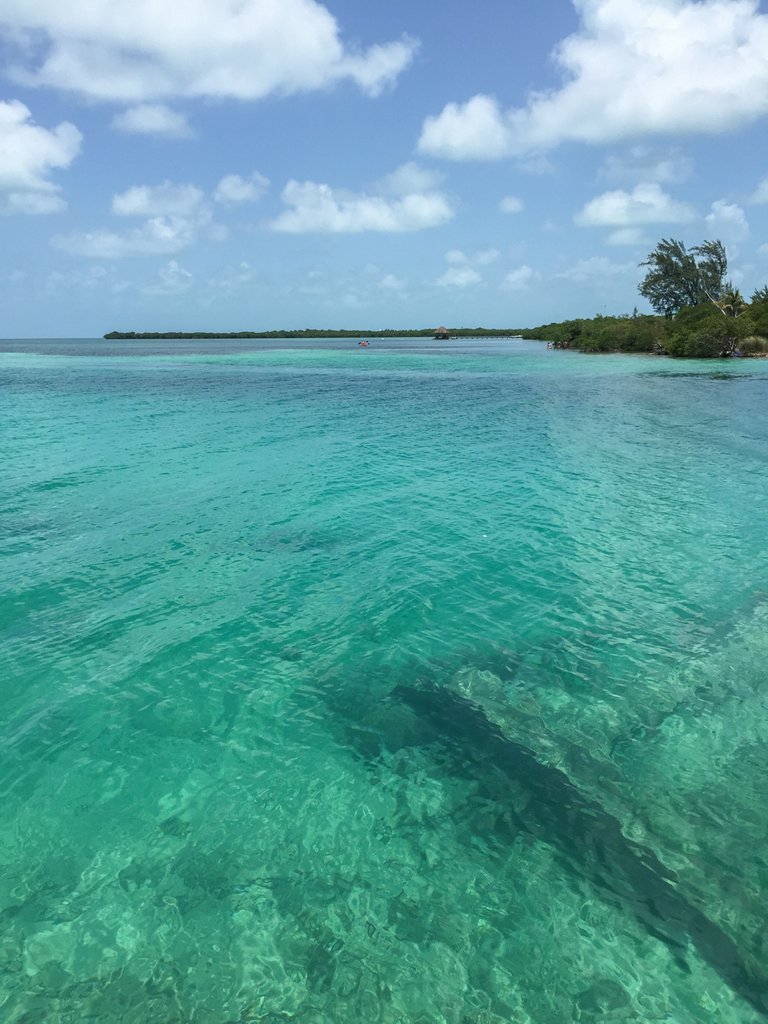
x,y
442,334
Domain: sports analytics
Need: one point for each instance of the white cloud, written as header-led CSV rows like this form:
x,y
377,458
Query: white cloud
x,y
727,222
234,189
462,272
166,200
319,208
511,204
391,283
91,279
174,218
481,258
408,179
28,155
645,204
596,268
233,279
634,67
643,163
171,279
142,50
459,277
627,236
475,130
32,202
455,256
760,194
158,235
152,119
520,279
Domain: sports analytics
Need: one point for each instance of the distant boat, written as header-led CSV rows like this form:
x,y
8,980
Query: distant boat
x,y
363,344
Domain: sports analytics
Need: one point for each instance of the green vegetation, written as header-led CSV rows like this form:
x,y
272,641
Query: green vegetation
x,y
604,334
311,332
699,313
678,278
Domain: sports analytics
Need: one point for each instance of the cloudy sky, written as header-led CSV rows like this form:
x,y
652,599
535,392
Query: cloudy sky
x,y
256,164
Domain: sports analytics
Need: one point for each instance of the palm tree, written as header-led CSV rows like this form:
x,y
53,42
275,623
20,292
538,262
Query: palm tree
x,y
731,302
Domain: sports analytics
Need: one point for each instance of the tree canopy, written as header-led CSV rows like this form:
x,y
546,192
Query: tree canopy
x,y
678,277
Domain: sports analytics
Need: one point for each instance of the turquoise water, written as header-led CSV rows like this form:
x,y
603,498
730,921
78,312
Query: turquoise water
x,y
411,684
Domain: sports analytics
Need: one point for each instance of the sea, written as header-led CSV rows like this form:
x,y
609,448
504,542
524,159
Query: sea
x,y
422,683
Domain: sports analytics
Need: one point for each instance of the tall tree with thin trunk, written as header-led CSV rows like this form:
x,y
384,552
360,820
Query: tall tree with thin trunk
x,y
678,277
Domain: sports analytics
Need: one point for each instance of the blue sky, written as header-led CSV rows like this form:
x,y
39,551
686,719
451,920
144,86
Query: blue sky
x,y
257,164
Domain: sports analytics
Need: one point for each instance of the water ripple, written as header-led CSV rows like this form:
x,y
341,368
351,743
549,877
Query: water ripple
x,y
415,684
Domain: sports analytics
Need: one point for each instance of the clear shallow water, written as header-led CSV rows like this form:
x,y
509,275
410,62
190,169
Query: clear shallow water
x,y
420,683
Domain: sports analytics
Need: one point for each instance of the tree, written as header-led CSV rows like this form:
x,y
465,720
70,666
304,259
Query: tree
x,y
731,302
678,277
757,316
712,264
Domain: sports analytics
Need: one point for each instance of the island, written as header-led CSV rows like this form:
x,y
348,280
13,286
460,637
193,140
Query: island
x,y
318,332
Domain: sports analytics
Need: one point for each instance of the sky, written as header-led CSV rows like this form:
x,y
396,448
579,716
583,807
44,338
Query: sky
x,y
264,164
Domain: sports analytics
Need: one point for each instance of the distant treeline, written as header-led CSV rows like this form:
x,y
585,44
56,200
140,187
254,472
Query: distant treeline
x,y
307,332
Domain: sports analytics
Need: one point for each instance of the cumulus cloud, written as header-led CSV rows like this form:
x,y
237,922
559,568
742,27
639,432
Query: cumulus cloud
x,y
391,283
727,222
459,277
511,204
645,204
140,51
314,207
627,236
408,179
633,68
519,279
172,279
233,189
231,279
462,267
475,130
166,200
760,194
596,268
174,217
646,164
159,235
92,279
152,119
29,154
32,202
481,258
455,256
